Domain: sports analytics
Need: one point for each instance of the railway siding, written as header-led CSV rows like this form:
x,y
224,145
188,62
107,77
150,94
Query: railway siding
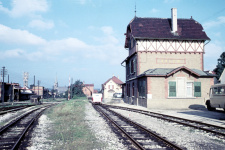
x,y
141,137
181,135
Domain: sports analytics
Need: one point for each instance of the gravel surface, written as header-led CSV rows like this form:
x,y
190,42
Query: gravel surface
x,y
39,139
101,130
6,118
184,136
201,114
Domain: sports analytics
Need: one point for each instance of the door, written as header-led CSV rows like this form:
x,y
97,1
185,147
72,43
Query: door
x,y
181,87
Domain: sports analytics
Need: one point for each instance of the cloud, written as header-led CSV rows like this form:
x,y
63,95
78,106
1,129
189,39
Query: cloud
x,y
107,30
25,7
219,21
108,48
56,47
17,36
21,54
39,24
108,35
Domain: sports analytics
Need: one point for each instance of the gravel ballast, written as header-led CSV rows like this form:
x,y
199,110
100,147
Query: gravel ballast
x,y
101,130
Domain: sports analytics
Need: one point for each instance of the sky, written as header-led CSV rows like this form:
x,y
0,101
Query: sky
x,y
84,39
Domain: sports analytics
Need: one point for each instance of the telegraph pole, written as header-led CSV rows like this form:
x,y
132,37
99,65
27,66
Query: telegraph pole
x,y
3,73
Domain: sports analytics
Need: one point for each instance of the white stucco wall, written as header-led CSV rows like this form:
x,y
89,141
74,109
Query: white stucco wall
x,y
116,88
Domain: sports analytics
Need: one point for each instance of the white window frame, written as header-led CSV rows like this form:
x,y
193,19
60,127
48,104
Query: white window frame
x,y
192,89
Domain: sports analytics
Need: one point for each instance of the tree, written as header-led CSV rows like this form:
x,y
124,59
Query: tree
x,y
77,89
220,66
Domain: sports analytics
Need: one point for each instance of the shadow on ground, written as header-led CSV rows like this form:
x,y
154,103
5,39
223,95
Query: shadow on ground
x,y
203,112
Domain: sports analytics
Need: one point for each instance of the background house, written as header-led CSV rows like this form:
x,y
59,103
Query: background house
x,y
165,64
38,90
111,86
88,89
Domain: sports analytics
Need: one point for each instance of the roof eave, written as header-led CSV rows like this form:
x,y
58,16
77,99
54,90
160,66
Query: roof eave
x,y
152,38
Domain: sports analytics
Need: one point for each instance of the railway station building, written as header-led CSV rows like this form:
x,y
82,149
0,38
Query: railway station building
x,y
88,89
165,63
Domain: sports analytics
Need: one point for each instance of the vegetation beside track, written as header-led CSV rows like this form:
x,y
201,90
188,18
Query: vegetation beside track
x,y
70,130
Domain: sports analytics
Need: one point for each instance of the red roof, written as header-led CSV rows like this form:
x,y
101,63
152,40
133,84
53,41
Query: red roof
x,y
88,84
115,79
160,28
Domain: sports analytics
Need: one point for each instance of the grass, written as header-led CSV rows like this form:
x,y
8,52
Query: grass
x,y
54,100
70,130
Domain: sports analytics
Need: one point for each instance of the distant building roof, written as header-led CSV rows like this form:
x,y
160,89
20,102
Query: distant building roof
x,y
170,71
160,28
115,79
88,84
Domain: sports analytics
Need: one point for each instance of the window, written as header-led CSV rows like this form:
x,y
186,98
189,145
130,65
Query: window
x,y
218,91
133,89
182,89
132,66
112,86
142,88
189,89
128,90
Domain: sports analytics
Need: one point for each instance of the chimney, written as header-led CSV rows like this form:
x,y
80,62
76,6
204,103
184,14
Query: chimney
x,y
174,19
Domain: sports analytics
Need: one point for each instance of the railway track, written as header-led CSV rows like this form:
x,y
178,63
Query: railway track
x,y
12,133
140,137
216,130
12,109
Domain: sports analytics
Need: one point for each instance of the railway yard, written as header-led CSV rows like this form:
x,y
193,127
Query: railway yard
x,y
111,125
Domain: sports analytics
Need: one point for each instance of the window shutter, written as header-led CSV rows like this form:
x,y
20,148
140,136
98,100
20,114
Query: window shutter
x,y
172,89
197,89
144,88
135,65
129,67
